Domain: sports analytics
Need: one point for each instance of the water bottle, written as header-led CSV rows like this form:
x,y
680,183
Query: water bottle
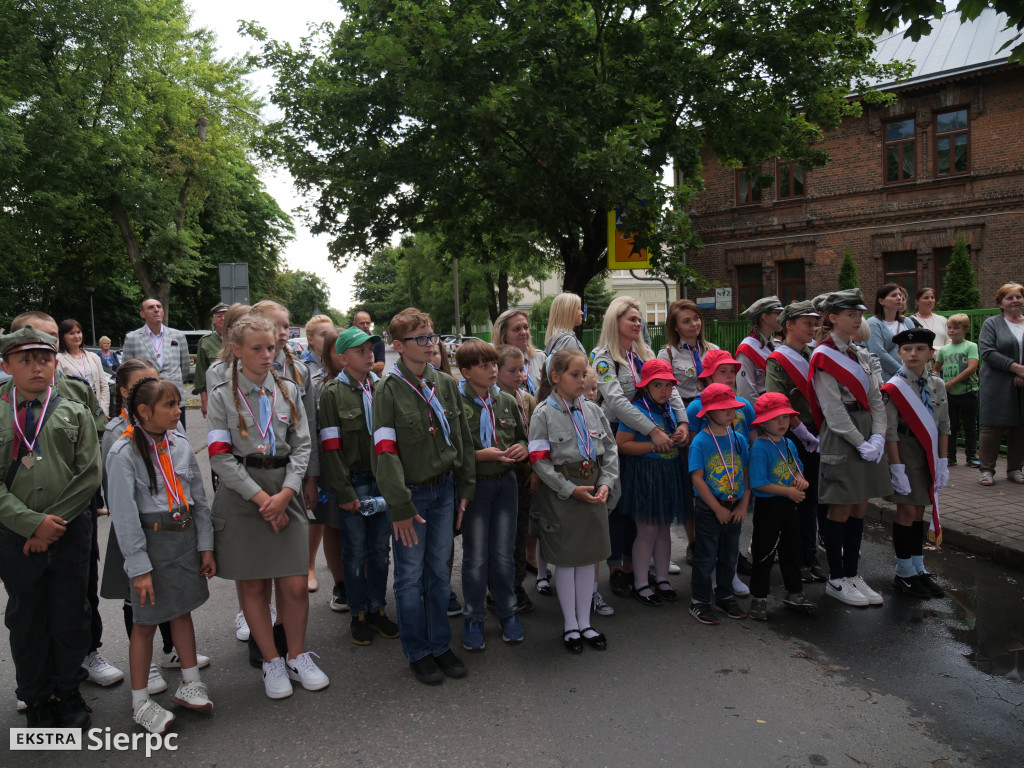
x,y
372,505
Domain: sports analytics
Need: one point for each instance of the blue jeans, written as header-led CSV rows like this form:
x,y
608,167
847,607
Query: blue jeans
x,y
365,538
715,551
488,543
421,573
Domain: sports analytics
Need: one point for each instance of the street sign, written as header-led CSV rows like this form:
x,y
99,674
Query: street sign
x,y
234,283
623,253
723,298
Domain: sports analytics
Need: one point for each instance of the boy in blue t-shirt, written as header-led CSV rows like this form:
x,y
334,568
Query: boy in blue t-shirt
x,y
719,367
718,461
776,476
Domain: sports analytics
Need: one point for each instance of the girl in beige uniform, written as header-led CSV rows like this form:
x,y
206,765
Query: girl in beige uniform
x,y
259,446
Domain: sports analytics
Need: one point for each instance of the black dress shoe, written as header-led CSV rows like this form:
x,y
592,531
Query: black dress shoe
x,y
928,581
71,710
41,714
598,641
451,664
573,645
650,600
427,671
621,582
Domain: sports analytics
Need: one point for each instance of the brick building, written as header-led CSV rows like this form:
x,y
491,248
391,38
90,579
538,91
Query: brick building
x,y
946,158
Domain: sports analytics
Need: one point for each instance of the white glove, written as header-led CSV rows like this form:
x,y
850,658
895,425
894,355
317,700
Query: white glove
x,y
941,474
866,451
810,441
878,441
900,483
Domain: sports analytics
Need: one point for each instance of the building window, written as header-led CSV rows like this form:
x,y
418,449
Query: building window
x,y
899,151
901,268
791,281
656,313
952,143
751,284
748,187
790,180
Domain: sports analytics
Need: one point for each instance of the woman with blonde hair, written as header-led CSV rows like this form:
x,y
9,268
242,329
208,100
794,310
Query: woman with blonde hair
x,y
513,327
565,316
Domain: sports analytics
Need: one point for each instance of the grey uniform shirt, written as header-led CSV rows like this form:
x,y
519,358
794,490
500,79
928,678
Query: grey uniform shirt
x,y
298,373
130,496
617,387
750,381
833,398
684,368
553,426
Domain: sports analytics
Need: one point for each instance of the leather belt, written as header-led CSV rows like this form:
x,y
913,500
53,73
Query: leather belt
x,y
177,526
578,471
430,481
263,462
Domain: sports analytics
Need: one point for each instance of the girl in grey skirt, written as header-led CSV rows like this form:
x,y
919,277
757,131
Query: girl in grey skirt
x,y
159,512
853,466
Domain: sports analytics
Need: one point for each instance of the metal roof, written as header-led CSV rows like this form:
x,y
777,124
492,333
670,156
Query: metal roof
x,y
952,47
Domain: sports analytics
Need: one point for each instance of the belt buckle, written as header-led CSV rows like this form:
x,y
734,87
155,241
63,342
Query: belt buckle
x,y
266,462
586,472
183,525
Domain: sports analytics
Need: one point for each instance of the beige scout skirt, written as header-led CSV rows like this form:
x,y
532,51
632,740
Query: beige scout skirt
x,y
246,546
572,533
913,456
845,477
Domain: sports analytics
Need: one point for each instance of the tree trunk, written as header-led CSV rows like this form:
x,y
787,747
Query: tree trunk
x,y
161,291
583,265
502,292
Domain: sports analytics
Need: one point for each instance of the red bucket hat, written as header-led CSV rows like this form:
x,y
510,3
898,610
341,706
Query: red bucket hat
x,y
772,404
714,359
656,369
717,397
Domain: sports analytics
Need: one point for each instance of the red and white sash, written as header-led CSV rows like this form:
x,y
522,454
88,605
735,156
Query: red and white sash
x,y
758,355
922,426
797,367
843,369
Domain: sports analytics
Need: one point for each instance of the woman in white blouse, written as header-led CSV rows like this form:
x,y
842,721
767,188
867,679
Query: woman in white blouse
x,y
74,359
925,315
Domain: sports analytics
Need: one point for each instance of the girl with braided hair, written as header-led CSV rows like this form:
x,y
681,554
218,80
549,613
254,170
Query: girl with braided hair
x,y
162,521
259,445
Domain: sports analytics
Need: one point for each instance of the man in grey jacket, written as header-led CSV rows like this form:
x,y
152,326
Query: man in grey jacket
x,y
166,348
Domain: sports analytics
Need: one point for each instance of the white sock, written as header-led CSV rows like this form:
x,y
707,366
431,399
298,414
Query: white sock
x,y
139,698
190,674
584,578
565,585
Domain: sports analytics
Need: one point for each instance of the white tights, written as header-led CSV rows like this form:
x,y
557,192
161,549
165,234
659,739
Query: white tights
x,y
651,540
575,587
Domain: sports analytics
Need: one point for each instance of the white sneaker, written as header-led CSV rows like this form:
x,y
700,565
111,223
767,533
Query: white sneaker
x,y
171,660
600,607
22,706
862,586
156,683
844,591
241,627
275,679
304,670
194,696
739,589
101,671
153,717
673,569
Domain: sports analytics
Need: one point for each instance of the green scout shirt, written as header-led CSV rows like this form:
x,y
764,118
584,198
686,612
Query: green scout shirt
x,y
209,348
73,388
64,481
402,416
346,444
508,429
777,380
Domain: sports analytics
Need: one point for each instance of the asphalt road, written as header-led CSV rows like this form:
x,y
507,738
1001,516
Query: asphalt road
x,y
906,684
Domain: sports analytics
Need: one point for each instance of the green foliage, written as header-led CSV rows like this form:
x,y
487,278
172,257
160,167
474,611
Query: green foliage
x,y
537,118
848,272
959,287
302,293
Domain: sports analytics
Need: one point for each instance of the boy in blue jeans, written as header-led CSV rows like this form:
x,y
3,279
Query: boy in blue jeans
x,y
489,523
718,469
423,455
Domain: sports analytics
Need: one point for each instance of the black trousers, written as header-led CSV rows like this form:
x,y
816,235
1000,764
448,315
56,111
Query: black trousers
x,y
95,621
48,612
776,529
522,529
808,508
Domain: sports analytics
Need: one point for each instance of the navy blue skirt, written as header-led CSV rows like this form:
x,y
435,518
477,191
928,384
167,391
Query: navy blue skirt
x,y
654,490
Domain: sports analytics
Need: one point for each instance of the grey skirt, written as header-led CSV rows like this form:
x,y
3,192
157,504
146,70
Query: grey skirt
x,y
245,544
845,477
572,533
178,588
916,461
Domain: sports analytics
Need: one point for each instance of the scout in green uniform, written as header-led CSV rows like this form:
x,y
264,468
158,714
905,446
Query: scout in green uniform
x,y
49,471
423,450
209,348
346,440
489,524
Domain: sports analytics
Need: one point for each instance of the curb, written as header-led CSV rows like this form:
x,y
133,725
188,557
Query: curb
x,y
1001,550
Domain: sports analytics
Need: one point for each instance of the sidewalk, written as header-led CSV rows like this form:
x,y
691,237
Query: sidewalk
x,y
984,521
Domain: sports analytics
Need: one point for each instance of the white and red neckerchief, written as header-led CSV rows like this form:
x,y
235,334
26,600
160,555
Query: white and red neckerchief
x,y
22,437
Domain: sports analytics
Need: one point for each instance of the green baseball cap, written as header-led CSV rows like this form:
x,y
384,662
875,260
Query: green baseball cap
x,y
353,337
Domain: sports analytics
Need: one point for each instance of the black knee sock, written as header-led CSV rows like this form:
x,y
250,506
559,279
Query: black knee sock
x,y
916,538
903,541
165,635
129,618
833,534
852,535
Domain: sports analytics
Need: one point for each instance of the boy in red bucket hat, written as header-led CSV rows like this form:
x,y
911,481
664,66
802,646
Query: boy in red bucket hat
x,y
778,483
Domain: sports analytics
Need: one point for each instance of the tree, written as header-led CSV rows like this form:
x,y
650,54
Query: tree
x,y
959,287
848,272
545,115
302,293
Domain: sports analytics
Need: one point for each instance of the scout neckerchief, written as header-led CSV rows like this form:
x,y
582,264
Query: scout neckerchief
x,y
366,389
28,459
584,442
654,411
177,503
845,369
635,364
530,386
787,458
522,408
730,476
797,367
754,349
922,384
694,350
487,420
265,422
129,430
921,422
431,400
